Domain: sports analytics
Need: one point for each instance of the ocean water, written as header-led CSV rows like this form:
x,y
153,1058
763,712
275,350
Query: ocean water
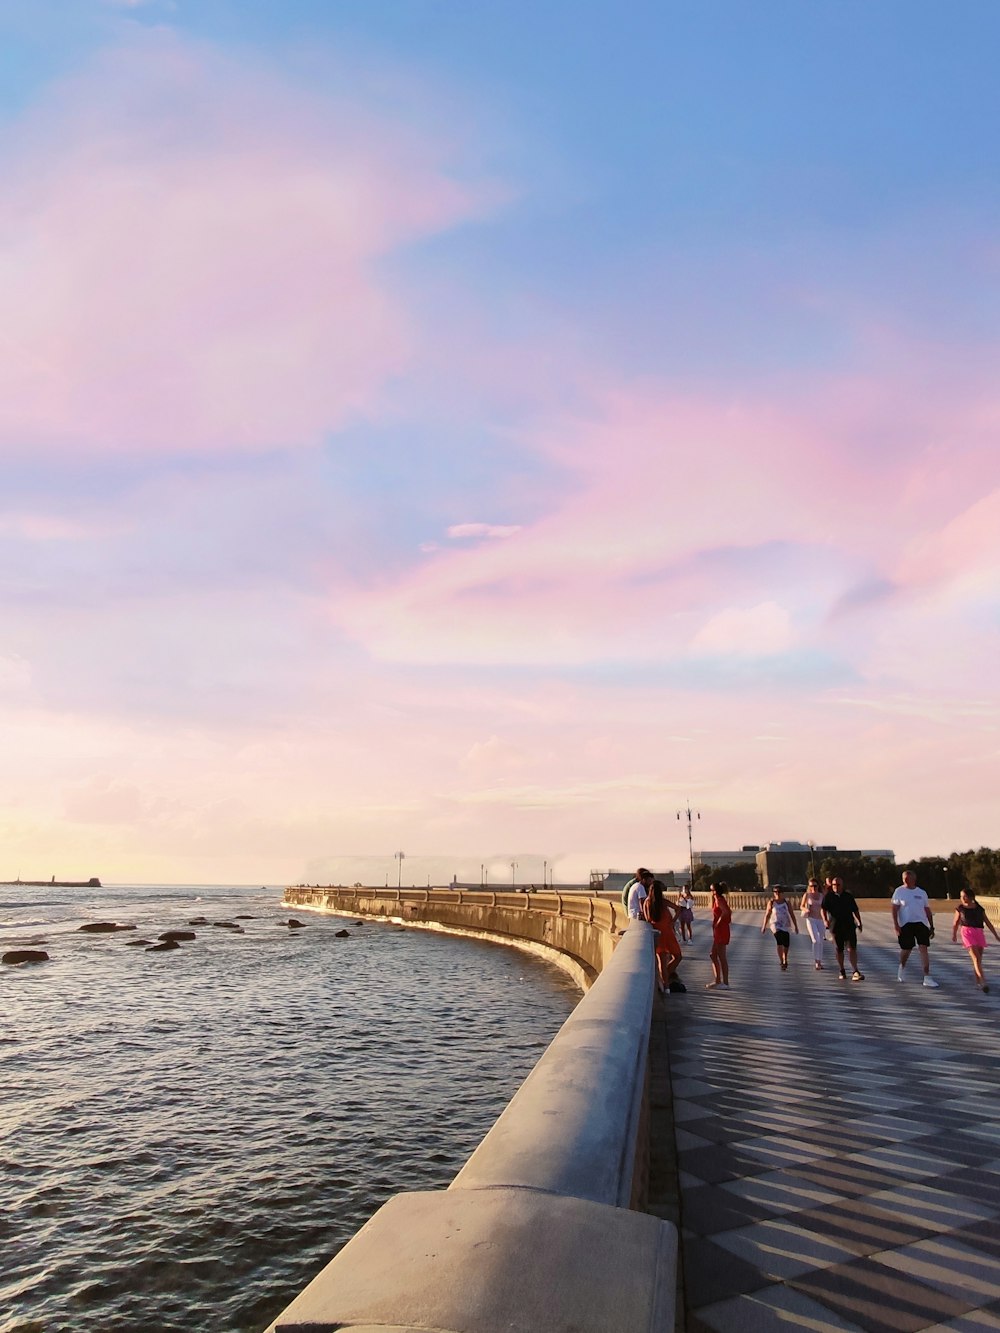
x,y
187,1137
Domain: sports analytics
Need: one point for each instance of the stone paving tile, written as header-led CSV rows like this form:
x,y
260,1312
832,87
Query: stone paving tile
x,y
716,1163
781,1191
781,1248
933,1203
713,1208
879,1299
944,1263
976,1321
862,1227
773,1309
847,1177
983,1235
711,1273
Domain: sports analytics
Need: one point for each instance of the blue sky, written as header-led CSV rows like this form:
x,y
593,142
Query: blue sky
x,y
590,406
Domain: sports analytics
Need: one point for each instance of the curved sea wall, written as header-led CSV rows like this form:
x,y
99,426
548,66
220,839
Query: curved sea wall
x,y
541,1228
580,926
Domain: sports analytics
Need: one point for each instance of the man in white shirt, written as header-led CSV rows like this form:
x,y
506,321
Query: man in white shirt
x,y
913,923
637,893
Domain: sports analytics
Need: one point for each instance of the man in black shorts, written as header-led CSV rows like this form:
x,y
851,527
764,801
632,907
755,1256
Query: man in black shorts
x,y
843,921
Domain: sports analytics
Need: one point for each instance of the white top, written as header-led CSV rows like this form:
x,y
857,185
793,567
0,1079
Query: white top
x,y
911,905
636,898
781,917
686,899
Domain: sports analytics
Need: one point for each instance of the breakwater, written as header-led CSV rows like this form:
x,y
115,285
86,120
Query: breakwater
x,y
542,1227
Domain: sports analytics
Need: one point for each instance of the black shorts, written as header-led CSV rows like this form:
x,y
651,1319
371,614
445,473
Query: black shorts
x,y
845,937
782,939
914,933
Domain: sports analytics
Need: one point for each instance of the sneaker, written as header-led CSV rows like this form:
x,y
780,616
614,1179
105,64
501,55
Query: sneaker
x,y
899,974
858,976
724,985
784,967
819,967
843,975
929,981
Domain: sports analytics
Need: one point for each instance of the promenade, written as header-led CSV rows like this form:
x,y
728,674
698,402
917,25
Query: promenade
x,y
837,1143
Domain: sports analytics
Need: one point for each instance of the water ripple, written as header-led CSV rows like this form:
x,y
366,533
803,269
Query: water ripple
x,y
188,1137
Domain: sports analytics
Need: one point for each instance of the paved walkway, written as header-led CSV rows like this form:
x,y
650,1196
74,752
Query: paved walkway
x,y
838,1143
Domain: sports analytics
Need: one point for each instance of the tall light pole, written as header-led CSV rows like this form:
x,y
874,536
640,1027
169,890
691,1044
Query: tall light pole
x,y
400,857
691,815
545,874
513,872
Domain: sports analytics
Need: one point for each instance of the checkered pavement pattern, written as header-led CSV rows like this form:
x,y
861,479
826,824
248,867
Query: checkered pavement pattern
x,y
838,1142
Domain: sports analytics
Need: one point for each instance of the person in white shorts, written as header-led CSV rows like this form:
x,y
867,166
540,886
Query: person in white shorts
x,y
811,908
913,922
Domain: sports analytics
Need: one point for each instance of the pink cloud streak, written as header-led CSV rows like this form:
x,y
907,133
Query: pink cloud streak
x,y
190,256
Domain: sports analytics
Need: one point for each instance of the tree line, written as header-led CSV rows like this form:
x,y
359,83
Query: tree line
x,y
877,877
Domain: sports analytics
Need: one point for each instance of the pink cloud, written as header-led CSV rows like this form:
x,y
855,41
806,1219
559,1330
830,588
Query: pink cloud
x,y
190,256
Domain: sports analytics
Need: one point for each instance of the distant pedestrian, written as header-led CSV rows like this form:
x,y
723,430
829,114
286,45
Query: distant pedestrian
x,y
811,908
913,922
843,920
685,912
635,892
721,918
973,922
660,914
781,916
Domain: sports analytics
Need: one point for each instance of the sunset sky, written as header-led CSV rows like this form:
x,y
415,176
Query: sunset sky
x,y
475,429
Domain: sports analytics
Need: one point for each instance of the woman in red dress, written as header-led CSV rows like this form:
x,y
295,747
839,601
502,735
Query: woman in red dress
x,y
721,917
661,914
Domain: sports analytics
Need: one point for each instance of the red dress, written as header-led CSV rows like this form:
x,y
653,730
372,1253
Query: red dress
x,y
722,914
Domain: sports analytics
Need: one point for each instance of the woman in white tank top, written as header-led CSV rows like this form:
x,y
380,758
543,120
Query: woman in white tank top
x,y
812,914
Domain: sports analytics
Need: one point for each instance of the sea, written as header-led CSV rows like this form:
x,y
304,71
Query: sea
x,y
187,1137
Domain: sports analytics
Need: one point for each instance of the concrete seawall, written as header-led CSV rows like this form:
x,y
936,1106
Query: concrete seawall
x,y
576,926
541,1229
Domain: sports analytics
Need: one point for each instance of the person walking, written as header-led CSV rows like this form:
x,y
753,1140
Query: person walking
x,y
660,914
721,918
781,916
913,922
973,922
843,921
811,909
685,912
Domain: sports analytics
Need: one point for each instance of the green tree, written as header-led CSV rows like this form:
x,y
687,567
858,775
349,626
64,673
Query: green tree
x,y
742,877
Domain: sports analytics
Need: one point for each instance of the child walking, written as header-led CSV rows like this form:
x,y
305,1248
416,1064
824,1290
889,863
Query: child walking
x,y
971,919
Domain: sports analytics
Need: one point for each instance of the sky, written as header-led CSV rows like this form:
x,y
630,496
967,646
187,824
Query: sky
x,y
484,430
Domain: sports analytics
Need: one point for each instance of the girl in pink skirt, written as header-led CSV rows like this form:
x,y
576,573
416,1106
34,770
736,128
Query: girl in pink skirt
x,y
973,922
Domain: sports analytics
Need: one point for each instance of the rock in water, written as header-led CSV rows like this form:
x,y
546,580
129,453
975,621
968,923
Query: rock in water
x,y
102,927
161,948
293,924
342,934
25,956
198,921
177,935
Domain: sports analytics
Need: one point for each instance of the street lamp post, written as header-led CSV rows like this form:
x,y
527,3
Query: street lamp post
x,y
545,874
513,872
691,815
400,857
